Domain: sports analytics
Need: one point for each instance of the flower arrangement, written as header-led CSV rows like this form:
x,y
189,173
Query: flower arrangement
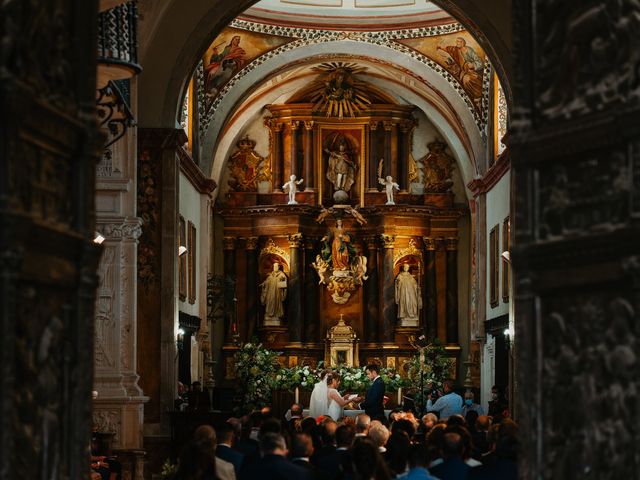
x,y
304,377
255,368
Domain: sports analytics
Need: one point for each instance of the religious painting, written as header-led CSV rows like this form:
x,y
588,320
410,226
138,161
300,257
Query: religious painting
x,y
191,262
505,263
341,153
493,266
460,55
230,52
182,259
246,167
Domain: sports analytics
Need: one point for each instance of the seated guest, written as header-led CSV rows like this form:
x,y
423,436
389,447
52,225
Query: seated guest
x,y
309,426
502,463
102,462
301,451
379,435
363,422
328,440
273,465
248,443
417,459
453,467
225,450
205,436
433,443
397,450
367,462
404,425
337,464
197,460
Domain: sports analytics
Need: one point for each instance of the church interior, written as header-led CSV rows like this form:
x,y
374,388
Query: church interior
x,y
342,182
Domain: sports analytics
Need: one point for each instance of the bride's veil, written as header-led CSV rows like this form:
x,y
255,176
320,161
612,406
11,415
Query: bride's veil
x,y
319,403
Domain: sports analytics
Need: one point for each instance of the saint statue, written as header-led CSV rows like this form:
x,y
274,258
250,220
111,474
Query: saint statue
x,y
389,185
273,294
408,297
342,249
341,170
292,185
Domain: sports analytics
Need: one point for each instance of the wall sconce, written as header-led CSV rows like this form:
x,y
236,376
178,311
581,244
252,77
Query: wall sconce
x,y
508,337
182,250
506,256
98,239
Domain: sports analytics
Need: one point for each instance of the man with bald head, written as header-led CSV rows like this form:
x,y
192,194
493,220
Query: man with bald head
x,y
363,422
453,467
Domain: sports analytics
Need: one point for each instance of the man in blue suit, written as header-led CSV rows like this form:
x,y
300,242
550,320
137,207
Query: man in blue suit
x,y
373,402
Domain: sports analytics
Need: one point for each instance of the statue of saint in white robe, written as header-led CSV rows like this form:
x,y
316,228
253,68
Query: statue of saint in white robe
x,y
408,297
273,294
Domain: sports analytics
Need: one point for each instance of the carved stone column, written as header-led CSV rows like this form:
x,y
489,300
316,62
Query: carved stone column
x,y
278,158
230,325
309,180
371,286
373,157
388,289
251,326
311,321
430,310
293,153
451,244
294,294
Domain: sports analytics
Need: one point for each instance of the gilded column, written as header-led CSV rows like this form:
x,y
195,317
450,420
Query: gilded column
x,y
293,153
311,323
295,289
371,292
373,157
451,244
251,296
430,310
388,289
309,181
277,156
230,327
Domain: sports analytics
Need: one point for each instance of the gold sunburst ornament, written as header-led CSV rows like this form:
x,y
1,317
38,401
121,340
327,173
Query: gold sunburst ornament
x,y
337,91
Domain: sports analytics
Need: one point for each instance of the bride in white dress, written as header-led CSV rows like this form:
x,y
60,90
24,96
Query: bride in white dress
x,y
319,403
336,402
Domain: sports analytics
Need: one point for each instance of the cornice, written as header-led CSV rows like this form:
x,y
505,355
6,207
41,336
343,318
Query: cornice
x,y
480,186
193,173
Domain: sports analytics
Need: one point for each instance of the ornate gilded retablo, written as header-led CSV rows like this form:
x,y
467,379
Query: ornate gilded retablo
x,y
337,92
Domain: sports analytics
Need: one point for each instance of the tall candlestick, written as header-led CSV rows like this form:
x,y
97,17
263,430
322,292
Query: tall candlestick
x,y
399,396
297,395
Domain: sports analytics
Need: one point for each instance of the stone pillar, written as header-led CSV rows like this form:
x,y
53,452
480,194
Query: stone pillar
x,y
388,290
371,286
294,293
277,162
309,180
388,128
230,325
251,295
452,289
430,308
293,152
394,152
311,321
373,157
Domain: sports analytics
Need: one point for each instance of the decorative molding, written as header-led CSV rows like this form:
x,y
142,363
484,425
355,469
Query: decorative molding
x,y
307,37
192,171
128,230
429,243
411,250
388,241
271,248
251,243
108,421
228,243
480,186
287,210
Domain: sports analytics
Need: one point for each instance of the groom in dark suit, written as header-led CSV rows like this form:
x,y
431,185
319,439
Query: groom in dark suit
x,y
373,402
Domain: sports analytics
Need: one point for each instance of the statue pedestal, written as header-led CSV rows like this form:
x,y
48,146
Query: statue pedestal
x,y
443,200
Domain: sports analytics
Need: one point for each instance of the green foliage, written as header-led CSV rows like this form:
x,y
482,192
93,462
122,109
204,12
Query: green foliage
x,y
255,368
168,469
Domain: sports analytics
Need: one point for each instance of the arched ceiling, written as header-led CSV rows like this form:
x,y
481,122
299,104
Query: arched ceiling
x,y
354,15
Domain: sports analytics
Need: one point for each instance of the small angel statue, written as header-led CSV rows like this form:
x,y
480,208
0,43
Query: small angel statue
x,y
292,185
389,185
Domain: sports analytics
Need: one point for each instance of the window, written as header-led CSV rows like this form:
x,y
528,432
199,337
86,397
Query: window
x,y
493,265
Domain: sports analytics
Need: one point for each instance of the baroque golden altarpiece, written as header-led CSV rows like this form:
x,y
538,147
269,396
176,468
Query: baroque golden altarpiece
x,y
335,248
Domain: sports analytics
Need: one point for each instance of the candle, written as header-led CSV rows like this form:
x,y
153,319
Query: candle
x,y
297,395
399,396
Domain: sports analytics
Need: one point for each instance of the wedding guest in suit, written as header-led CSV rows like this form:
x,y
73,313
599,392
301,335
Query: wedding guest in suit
x,y
225,449
274,465
301,451
373,401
